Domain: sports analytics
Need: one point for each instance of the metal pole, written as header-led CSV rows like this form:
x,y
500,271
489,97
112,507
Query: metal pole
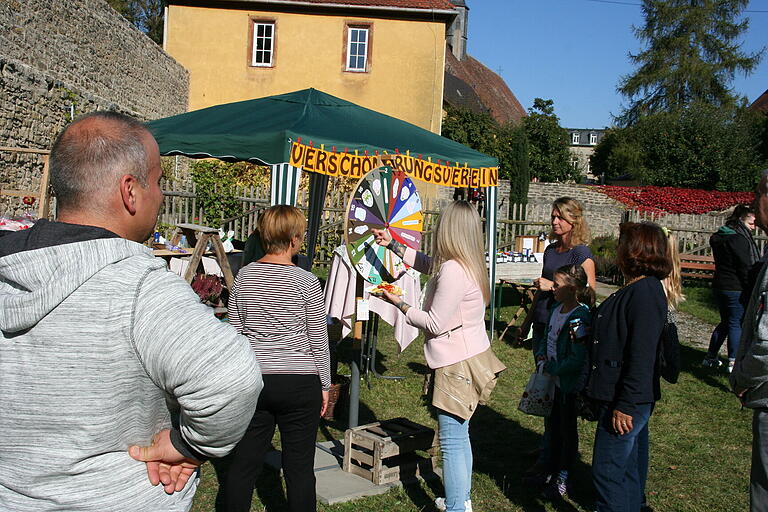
x,y
357,337
354,390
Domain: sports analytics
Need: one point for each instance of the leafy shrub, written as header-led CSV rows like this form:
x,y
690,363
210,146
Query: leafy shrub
x,y
604,254
214,183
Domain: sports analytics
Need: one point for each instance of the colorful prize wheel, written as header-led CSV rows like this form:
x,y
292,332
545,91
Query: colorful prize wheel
x,y
384,199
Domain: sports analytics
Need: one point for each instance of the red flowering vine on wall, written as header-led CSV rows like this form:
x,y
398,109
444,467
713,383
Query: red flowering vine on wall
x,y
664,200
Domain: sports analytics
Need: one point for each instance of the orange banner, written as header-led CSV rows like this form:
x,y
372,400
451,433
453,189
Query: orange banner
x,y
354,166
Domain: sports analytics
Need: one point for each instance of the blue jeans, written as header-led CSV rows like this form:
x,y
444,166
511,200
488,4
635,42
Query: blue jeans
x,y
620,463
457,459
731,316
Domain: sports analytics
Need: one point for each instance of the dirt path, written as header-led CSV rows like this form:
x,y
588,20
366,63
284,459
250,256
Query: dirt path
x,y
693,331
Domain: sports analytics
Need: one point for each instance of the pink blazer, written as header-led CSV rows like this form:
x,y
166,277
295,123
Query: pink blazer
x,y
453,318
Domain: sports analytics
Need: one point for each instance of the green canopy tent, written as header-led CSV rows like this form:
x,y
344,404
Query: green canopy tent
x,y
262,130
265,130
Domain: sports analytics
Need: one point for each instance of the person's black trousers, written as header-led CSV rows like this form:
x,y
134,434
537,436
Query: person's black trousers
x,y
564,440
292,402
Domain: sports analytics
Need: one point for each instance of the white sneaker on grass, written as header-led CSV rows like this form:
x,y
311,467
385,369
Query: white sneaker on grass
x,y
440,505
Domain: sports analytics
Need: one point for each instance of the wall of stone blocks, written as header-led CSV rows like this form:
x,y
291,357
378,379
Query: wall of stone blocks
x,y
603,213
59,59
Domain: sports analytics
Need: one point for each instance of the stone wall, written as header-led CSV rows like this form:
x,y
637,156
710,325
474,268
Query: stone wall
x,y
603,213
59,59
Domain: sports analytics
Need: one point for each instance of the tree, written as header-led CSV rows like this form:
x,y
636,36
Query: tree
x,y
548,155
702,146
146,15
691,56
617,155
507,143
515,159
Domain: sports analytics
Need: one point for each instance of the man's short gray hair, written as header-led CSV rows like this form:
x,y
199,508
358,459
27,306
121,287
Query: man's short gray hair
x,y
86,161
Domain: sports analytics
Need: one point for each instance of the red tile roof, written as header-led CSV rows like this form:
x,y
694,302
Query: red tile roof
x,y
761,103
405,4
490,88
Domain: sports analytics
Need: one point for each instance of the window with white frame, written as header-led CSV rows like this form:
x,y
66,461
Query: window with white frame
x,y
357,48
263,51
575,162
593,139
575,138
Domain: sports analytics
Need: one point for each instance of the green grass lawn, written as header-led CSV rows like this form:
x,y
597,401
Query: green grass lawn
x,y
700,441
700,302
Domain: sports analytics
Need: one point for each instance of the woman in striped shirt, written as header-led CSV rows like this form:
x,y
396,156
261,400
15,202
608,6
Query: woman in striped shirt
x,y
279,308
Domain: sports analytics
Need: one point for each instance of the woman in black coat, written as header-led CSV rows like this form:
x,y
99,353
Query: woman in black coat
x,y
735,254
624,376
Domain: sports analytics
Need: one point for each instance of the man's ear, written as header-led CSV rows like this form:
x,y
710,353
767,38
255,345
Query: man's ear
x,y
128,184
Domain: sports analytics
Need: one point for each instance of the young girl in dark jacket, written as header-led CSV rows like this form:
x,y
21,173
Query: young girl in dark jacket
x,y
563,353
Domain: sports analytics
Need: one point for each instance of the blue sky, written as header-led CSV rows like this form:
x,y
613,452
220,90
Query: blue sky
x,y
575,51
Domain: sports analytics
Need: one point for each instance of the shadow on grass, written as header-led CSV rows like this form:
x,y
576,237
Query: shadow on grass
x,y
503,460
690,359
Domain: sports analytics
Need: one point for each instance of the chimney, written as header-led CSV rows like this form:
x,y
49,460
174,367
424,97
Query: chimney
x,y
457,32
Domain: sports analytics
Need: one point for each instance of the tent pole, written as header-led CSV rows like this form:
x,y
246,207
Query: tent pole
x,y
490,232
318,185
354,382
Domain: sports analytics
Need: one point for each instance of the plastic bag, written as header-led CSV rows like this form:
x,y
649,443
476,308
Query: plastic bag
x,y
538,396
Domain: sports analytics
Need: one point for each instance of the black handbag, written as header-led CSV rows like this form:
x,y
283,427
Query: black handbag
x,y
586,408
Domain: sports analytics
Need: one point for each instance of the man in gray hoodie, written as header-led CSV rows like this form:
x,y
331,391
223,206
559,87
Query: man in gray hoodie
x,y
103,350
749,378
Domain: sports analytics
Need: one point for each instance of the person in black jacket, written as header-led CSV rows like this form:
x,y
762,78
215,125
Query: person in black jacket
x,y
624,375
735,253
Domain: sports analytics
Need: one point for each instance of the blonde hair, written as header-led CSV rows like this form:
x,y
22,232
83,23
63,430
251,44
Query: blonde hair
x,y
278,225
673,286
459,237
572,211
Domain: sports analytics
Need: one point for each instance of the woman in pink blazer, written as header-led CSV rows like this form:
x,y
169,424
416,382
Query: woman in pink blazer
x,y
453,320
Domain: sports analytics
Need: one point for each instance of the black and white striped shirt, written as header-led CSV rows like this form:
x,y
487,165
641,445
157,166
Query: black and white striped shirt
x,y
279,308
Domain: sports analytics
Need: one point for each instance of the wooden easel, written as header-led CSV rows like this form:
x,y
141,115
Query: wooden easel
x,y
42,196
198,237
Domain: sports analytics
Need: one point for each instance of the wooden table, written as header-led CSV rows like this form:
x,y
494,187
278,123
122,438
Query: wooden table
x,y
527,291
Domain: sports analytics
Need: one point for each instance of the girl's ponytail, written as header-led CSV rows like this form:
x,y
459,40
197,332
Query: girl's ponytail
x,y
576,276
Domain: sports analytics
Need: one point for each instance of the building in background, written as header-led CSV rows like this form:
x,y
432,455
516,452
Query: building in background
x,y
386,55
761,103
392,56
581,144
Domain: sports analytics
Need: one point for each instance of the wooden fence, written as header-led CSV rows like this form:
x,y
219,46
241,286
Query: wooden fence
x,y
692,231
180,206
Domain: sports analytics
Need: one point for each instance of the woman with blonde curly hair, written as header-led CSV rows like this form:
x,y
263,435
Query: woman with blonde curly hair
x,y
570,236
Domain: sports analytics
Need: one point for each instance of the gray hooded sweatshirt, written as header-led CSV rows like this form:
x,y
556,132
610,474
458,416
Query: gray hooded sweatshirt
x,y
101,348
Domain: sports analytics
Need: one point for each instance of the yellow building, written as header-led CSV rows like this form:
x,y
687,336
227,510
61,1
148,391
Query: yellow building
x,y
386,55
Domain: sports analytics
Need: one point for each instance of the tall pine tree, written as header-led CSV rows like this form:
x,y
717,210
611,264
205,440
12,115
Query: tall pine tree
x,y
691,56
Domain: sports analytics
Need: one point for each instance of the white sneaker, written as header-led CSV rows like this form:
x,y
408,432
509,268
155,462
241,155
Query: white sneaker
x,y
440,504
731,364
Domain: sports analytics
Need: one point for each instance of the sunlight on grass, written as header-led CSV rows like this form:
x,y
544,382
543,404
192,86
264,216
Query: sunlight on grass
x,y
700,439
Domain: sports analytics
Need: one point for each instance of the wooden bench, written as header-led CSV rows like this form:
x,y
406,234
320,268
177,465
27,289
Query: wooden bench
x,y
697,267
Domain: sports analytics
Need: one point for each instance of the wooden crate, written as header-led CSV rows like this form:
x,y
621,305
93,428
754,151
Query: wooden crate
x,y
385,451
